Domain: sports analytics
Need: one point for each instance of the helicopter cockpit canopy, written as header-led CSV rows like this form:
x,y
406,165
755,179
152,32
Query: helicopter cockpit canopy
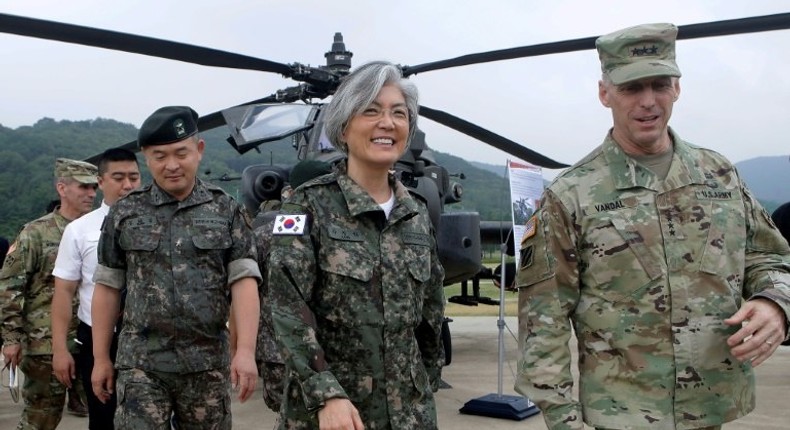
x,y
253,125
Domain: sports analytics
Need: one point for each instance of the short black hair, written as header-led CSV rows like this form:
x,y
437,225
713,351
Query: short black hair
x,y
115,154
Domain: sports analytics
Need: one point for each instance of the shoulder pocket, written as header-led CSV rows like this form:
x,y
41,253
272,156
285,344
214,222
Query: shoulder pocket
x,y
535,263
344,252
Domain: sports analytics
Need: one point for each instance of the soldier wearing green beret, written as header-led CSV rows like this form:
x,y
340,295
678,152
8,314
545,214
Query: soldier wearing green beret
x,y
182,249
26,290
654,253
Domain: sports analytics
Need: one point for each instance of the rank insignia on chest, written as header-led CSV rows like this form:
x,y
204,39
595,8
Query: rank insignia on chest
x,y
289,225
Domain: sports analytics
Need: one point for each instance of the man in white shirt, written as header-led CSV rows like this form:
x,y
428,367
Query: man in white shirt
x,y
119,174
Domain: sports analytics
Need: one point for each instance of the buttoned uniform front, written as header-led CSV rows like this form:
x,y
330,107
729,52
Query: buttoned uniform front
x,y
26,288
176,259
647,270
358,306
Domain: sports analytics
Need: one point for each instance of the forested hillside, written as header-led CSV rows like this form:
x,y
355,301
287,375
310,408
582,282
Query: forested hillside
x,y
27,157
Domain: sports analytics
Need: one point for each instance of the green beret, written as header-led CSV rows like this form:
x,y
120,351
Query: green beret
x,y
80,171
169,124
638,52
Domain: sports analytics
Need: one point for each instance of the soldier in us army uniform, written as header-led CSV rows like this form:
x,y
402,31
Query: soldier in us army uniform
x,y
356,283
183,249
672,275
26,289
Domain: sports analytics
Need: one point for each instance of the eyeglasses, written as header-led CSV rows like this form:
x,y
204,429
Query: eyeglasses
x,y
398,114
12,382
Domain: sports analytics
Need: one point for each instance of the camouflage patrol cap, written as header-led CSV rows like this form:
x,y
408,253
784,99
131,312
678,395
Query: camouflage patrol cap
x,y
166,125
638,52
80,171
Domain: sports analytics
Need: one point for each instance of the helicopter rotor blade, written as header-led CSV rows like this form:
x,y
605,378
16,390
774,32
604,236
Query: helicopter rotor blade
x,y
691,31
150,46
204,123
489,137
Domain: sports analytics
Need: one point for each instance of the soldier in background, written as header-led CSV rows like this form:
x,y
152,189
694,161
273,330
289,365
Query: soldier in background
x,y
183,249
656,255
26,289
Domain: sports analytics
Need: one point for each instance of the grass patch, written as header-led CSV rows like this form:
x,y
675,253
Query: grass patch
x,y
487,289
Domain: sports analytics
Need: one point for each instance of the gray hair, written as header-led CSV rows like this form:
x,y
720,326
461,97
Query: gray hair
x,y
358,90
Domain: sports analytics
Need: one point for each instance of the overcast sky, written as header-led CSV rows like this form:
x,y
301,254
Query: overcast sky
x,y
735,95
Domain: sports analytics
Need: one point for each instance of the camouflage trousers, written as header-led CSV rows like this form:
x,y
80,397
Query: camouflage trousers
x,y
43,394
148,400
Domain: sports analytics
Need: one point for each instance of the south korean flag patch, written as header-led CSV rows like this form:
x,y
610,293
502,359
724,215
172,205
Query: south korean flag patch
x,y
289,225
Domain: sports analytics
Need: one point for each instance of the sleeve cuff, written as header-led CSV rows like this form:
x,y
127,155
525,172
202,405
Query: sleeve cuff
x,y
319,388
243,268
65,274
113,278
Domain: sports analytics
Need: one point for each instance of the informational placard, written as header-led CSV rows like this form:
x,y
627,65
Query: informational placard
x,y
526,187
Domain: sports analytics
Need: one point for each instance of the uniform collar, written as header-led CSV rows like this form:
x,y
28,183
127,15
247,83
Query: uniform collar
x,y
628,173
60,220
200,194
359,201
104,208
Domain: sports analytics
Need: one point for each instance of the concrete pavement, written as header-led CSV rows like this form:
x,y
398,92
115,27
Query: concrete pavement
x,y
473,373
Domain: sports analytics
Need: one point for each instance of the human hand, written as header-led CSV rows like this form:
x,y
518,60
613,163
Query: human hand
x,y
63,367
339,414
762,331
243,374
12,353
103,379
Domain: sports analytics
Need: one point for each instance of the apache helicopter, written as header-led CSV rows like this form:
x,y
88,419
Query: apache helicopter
x,y
296,113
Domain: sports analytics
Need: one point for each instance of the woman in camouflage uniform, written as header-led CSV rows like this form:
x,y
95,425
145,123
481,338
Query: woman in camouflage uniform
x,y
355,278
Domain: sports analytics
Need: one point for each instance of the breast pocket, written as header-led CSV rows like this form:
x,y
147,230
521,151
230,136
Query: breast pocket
x,y
419,262
348,292
619,262
212,240
726,238
139,239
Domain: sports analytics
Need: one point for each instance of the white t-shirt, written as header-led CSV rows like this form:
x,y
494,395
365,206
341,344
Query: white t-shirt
x,y
77,258
388,205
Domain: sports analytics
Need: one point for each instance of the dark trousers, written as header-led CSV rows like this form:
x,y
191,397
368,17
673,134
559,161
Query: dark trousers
x,y
100,415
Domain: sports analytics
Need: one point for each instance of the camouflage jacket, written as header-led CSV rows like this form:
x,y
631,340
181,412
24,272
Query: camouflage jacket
x,y
270,363
176,260
646,270
358,305
27,286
